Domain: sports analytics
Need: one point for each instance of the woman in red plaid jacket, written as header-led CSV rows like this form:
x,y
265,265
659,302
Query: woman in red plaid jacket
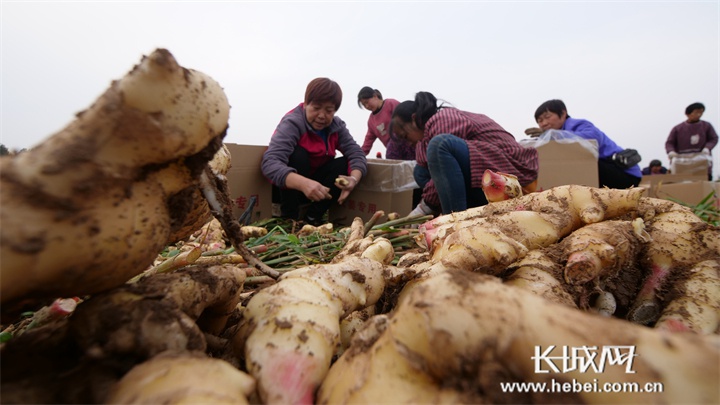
x,y
453,150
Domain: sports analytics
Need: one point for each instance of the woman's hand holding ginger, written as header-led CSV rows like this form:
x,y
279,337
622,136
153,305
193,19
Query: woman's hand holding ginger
x,y
315,191
346,184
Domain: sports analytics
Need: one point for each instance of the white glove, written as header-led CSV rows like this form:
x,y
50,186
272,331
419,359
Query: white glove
x,y
706,151
421,209
672,155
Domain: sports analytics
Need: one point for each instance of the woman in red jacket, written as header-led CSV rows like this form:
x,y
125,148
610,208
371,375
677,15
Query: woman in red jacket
x,y
301,160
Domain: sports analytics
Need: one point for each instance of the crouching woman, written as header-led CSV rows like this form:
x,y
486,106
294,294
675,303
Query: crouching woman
x,y
301,160
453,150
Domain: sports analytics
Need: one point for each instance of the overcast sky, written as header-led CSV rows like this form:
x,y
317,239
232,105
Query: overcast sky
x,y
629,67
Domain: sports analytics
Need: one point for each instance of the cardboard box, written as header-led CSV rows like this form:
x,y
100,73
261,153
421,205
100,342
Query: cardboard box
x,y
563,163
689,193
652,182
388,186
690,163
389,175
245,181
364,204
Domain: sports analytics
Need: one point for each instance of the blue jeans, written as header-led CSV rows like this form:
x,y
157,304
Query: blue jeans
x,y
448,159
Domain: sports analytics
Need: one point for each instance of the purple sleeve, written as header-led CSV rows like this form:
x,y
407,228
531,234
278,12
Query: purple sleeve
x,y
712,137
274,163
670,143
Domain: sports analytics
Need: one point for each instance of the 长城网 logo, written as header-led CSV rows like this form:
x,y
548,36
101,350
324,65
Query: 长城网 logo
x,y
583,358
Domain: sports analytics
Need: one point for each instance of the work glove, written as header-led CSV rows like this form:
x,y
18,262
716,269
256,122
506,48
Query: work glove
x,y
421,209
672,155
533,132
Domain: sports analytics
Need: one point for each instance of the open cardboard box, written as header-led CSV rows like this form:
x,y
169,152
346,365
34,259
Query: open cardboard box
x,y
690,164
389,175
563,163
387,186
689,193
245,181
652,182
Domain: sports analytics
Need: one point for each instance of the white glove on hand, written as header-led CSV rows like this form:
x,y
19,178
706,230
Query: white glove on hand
x,y
421,209
706,151
672,155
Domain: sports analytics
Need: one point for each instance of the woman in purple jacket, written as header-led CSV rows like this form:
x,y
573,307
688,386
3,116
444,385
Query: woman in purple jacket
x,y
301,160
692,136
552,114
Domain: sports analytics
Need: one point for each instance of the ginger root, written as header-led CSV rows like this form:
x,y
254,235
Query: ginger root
x,y
166,311
459,335
75,361
93,204
291,330
576,205
183,378
500,186
680,239
697,306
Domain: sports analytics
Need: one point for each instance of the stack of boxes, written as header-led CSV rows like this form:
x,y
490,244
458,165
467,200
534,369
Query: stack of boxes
x,y
389,184
687,183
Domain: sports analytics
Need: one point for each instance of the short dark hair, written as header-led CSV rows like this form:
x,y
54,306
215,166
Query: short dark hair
x,y
554,106
694,106
368,92
655,162
321,90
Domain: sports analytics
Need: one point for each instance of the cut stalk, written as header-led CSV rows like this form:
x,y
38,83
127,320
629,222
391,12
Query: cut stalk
x,y
172,264
646,308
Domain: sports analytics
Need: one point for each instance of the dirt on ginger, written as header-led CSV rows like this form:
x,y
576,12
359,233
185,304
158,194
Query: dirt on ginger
x,y
458,335
183,378
79,360
92,205
291,330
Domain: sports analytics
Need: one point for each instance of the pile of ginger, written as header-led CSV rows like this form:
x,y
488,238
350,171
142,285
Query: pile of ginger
x,y
596,270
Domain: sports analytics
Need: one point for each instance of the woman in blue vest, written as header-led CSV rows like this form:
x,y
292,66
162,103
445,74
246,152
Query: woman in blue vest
x,y
553,114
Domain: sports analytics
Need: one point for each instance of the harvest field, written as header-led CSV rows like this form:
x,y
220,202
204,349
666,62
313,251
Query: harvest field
x,y
126,279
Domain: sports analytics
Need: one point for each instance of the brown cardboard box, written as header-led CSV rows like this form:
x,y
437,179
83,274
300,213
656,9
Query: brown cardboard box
x,y
690,163
563,163
689,193
245,180
364,204
652,182
389,175
388,186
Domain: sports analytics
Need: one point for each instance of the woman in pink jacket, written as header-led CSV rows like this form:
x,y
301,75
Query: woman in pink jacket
x,y
379,124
